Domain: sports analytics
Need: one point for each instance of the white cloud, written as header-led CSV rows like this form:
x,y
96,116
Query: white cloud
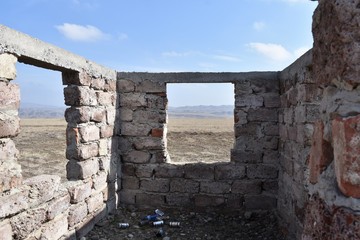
x,y
275,52
226,58
81,33
258,26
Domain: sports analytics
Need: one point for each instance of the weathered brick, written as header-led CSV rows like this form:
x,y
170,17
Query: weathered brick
x,y
321,154
26,222
79,96
8,151
271,129
105,98
7,66
240,116
202,200
78,114
215,187
136,157
270,186
149,143
251,128
57,206
177,199
130,183
155,185
110,85
98,83
148,116
246,187
252,101
263,115
346,139
56,228
98,115
241,156
126,114
82,170
5,230
106,131
83,151
9,96
229,171
132,100
271,101
262,171
128,196
89,133
149,200
135,129
13,203
157,132
77,213
76,78
78,190
169,171
260,202
151,87
94,202
9,124
184,186
145,170
199,171
265,85
124,85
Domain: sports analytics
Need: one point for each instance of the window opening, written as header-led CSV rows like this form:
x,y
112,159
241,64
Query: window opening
x,y
200,122
42,141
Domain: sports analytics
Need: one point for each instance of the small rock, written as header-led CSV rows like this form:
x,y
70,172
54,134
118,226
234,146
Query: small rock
x,y
133,214
247,215
130,235
166,238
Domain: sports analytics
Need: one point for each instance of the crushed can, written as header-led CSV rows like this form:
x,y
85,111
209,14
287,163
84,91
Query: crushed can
x,y
124,225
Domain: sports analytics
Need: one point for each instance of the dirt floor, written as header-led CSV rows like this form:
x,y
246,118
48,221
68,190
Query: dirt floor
x,y
42,143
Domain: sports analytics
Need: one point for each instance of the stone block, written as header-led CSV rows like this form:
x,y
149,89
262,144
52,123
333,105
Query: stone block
x,y
78,114
103,147
265,85
234,201
76,78
26,222
145,170
57,206
13,202
265,171
95,202
149,116
125,86
252,101
229,171
100,181
106,131
136,157
199,171
130,183
260,202
184,186
106,98
202,200
321,153
81,170
89,222
211,187
252,128
78,190
7,66
149,143
271,129
148,86
42,188
263,115
98,115
289,115
12,178
241,156
79,96
159,156
155,185
157,132
89,133
129,169
149,200
135,129
126,114
272,101
83,151
9,96
270,186
271,157
5,230
9,124
128,196
178,200
77,213
8,151
346,139
98,83
240,117
246,187
154,101
110,85
132,100
55,229
169,171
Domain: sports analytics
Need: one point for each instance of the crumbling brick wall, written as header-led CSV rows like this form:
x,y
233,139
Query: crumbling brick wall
x,y
248,181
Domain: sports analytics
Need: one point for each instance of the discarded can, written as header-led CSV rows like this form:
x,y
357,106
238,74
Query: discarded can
x,y
143,222
159,213
174,224
160,233
158,223
124,225
151,217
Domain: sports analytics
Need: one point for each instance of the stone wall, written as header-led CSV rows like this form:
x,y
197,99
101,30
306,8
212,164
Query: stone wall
x,y
40,207
149,179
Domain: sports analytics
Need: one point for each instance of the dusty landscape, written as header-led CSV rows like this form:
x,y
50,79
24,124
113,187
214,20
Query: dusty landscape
x,y
42,143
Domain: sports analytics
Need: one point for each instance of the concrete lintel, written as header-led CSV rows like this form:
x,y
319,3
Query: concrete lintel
x,y
197,77
38,53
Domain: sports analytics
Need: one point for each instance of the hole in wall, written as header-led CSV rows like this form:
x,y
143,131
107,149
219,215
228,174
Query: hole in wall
x,y
200,122
42,140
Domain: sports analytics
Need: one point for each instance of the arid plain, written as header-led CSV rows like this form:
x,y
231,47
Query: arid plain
x,y
42,143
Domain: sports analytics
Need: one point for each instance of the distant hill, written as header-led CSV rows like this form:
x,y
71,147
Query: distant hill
x,y
202,111
33,110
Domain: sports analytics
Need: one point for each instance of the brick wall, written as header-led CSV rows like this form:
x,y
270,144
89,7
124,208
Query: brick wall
x,y
149,179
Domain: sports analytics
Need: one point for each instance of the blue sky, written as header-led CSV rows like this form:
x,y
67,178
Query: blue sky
x,y
164,36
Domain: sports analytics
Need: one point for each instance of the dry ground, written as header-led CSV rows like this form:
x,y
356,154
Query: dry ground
x,y
42,143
